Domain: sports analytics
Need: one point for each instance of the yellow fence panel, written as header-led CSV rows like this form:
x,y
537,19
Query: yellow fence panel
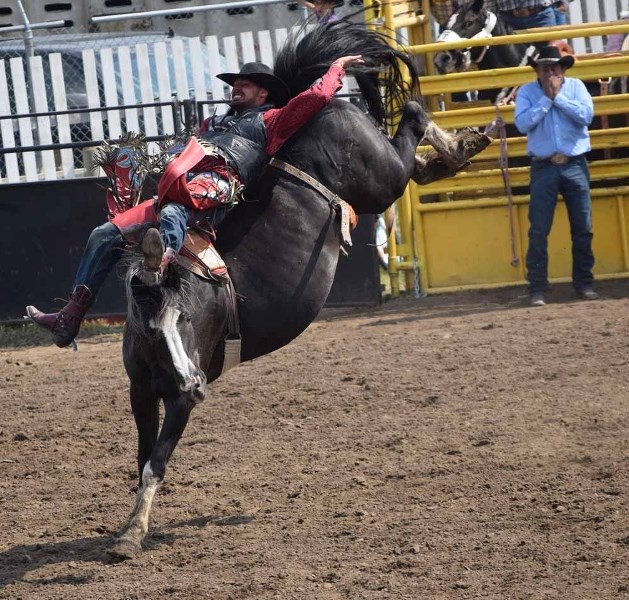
x,y
468,244
480,181
479,253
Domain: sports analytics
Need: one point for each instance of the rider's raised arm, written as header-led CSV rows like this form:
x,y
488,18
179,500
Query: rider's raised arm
x,y
282,123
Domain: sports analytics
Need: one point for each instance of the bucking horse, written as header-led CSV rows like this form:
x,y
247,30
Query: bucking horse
x,y
281,247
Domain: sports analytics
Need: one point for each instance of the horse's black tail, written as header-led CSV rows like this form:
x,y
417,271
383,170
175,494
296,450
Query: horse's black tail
x,y
306,56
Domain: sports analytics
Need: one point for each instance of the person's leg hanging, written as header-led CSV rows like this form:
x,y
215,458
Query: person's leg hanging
x,y
101,253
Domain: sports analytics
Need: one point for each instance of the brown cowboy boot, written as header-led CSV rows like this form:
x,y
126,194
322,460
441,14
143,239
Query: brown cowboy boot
x,y
66,323
156,259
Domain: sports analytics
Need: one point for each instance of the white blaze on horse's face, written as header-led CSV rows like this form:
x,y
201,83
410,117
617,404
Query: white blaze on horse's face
x,y
166,322
461,27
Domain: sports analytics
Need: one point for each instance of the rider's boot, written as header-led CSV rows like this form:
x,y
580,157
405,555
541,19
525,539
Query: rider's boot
x,y
65,324
156,259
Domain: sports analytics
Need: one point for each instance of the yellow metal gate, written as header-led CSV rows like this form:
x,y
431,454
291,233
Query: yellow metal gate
x,y
473,237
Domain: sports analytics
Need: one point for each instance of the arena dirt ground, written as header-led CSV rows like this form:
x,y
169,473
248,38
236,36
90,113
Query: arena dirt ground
x,y
460,446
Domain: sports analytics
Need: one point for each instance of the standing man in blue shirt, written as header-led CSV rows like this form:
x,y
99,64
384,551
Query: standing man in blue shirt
x,y
554,112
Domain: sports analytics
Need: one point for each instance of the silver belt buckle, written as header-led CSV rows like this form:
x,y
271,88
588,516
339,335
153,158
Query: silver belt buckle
x,y
559,159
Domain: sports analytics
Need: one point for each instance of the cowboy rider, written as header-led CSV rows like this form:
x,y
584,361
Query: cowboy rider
x,y
232,152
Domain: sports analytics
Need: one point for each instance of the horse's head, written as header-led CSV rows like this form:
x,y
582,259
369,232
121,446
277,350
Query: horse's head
x,y
472,21
160,336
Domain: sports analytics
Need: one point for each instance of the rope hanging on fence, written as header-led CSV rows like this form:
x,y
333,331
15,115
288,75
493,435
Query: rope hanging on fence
x,y
499,124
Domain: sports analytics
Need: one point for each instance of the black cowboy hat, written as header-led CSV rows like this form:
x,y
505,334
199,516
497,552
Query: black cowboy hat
x,y
550,55
262,75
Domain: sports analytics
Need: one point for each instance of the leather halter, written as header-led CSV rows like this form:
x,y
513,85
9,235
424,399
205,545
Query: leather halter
x,y
337,203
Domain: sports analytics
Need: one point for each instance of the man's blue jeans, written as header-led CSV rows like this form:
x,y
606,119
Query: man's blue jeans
x,y
102,252
547,181
174,222
561,16
104,246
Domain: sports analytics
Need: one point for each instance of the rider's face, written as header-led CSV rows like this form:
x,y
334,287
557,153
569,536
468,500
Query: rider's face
x,y
247,94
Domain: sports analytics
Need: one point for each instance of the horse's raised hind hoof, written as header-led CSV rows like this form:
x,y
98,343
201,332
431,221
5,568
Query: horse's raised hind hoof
x,y
436,165
124,550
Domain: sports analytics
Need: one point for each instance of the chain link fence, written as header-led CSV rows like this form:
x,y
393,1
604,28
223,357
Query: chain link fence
x,y
108,64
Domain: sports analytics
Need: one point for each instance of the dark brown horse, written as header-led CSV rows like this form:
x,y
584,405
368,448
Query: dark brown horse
x,y
281,247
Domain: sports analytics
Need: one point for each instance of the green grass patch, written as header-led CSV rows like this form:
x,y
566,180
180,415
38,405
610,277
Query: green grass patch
x,y
24,335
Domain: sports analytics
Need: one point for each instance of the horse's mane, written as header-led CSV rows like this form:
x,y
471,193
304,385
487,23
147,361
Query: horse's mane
x,y
307,54
178,293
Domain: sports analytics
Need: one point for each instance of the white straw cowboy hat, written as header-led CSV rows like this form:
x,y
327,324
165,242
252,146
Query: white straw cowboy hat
x,y
551,55
262,75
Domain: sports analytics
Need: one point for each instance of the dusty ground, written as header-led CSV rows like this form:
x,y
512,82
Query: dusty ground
x,y
461,446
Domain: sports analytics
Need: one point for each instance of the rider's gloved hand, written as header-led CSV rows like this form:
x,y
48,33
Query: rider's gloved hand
x,y
346,61
169,256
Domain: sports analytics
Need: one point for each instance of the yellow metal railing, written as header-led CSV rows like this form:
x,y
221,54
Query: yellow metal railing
x,y
481,116
491,179
430,232
600,139
533,35
612,66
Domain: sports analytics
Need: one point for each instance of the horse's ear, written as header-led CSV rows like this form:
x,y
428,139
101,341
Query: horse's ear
x,y
478,5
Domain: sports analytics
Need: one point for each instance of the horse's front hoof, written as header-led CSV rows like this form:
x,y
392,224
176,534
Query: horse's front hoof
x,y
124,550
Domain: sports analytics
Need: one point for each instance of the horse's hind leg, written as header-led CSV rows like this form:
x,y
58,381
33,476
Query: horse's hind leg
x,y
177,413
445,145
454,150
451,151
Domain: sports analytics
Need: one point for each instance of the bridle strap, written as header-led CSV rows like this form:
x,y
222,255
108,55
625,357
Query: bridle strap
x,y
338,204
448,35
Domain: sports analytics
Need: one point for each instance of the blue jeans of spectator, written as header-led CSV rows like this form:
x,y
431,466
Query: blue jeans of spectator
x,y
543,18
102,252
572,180
561,16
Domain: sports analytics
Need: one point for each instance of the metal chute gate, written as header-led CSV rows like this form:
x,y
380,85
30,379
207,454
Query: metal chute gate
x,y
463,232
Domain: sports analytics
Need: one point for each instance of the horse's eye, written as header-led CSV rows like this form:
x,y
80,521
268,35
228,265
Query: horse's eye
x,y
468,24
184,317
